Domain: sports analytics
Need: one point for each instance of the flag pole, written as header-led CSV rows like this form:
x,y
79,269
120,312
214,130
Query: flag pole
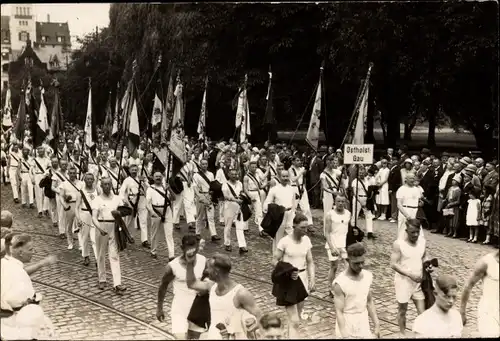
x,y
115,117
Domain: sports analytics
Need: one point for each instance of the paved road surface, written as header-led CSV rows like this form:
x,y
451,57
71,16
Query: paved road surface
x,y
80,310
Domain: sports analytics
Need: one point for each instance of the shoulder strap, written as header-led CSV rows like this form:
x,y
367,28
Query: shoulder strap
x,y
331,179
86,202
204,177
15,158
39,165
254,179
60,176
232,190
25,165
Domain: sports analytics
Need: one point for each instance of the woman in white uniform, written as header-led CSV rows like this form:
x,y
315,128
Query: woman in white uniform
x,y
382,199
295,249
488,315
183,299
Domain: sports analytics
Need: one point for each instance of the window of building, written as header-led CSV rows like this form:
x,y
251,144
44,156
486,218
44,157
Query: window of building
x,y
44,39
24,36
60,39
5,56
29,10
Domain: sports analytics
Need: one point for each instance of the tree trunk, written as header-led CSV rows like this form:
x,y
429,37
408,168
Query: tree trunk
x,y
485,142
392,133
431,137
370,138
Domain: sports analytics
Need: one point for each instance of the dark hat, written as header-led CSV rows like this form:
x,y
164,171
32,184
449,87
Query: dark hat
x,y
445,154
176,185
425,151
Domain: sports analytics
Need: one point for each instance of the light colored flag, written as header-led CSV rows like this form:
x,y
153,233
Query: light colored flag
x,y
55,120
245,121
168,111
203,118
114,129
156,117
42,123
240,109
312,137
134,133
7,111
89,143
359,127
177,145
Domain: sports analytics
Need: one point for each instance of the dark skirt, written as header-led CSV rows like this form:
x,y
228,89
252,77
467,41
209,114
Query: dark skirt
x,y
289,295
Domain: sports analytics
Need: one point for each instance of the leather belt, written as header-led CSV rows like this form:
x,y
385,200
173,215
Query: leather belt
x,y
158,206
25,171
361,195
410,206
105,221
13,166
85,210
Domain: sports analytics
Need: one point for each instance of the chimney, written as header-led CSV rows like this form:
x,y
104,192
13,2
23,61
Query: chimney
x,y
48,17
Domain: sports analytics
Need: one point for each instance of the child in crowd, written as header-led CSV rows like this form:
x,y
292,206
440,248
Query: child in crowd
x,y
486,211
452,207
473,215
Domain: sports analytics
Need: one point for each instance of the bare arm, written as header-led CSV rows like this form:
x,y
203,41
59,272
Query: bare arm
x,y
162,290
278,255
310,266
32,268
328,232
339,301
402,209
246,301
372,312
478,274
194,283
77,207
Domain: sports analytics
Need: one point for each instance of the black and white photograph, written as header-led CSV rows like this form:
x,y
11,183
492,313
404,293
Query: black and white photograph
x,y
249,170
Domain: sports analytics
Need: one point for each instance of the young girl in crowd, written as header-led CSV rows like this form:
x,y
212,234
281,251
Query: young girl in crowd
x,y
486,211
452,207
473,215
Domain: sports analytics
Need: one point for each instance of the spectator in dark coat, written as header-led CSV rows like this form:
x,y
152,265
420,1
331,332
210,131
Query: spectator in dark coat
x,y
394,182
315,168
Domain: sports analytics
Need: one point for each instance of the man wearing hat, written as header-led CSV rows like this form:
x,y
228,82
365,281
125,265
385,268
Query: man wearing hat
x,y
41,165
429,185
491,178
23,173
481,170
425,153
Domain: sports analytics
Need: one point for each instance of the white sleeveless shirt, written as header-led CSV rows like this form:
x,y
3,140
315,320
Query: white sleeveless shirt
x,y
179,283
411,256
222,310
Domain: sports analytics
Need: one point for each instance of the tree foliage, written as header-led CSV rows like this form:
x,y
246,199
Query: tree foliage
x,y
434,62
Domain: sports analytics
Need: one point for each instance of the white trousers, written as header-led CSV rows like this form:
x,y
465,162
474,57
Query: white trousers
x,y
231,213
14,182
26,189
357,207
84,234
303,204
168,229
327,206
256,208
60,215
141,218
53,209
25,324
69,221
221,211
285,228
205,214
103,244
185,200
39,195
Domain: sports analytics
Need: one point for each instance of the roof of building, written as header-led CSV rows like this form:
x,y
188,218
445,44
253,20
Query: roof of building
x,y
56,60
5,22
52,30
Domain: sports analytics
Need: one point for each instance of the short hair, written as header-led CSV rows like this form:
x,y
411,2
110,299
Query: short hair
x,y
19,240
6,219
413,223
270,320
72,168
299,218
446,282
106,179
296,157
189,240
252,163
356,250
222,262
4,232
395,157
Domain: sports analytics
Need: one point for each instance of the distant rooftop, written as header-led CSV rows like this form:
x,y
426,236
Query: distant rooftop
x,y
52,33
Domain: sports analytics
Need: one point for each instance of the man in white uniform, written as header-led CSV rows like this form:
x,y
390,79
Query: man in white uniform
x,y
133,191
408,197
296,173
40,166
68,191
252,186
232,212
407,258
157,196
105,238
24,170
205,207
330,185
282,194
13,162
58,177
17,293
359,190
222,176
186,198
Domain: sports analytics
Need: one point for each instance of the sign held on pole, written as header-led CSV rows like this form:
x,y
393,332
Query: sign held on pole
x,y
358,154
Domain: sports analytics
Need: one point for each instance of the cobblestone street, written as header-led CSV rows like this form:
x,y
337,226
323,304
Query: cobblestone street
x,y
80,310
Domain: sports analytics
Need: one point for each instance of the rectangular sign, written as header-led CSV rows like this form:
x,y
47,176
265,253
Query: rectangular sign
x,y
358,154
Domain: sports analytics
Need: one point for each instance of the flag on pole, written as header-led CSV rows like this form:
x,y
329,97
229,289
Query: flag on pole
x,y
312,137
108,119
168,112
134,133
89,138
7,111
55,120
203,116
156,118
269,119
42,126
243,113
114,129
32,115
20,125
176,145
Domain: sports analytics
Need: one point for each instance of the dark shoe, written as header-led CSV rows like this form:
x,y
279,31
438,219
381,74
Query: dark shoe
x,y
32,205
434,231
228,248
171,259
198,236
119,290
102,285
246,231
62,236
55,224
86,261
40,215
177,226
371,236
215,238
243,250
24,205
191,227
16,201
46,213
154,255
146,245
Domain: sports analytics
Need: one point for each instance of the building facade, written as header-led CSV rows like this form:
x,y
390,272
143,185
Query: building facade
x,y
51,41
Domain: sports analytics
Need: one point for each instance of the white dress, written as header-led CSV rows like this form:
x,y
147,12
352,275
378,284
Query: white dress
x,y
383,195
487,309
295,253
357,324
